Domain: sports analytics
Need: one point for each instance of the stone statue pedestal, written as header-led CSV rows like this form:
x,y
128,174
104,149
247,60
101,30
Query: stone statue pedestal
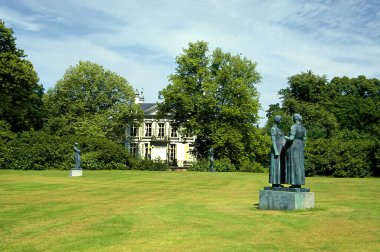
x,y
283,198
76,172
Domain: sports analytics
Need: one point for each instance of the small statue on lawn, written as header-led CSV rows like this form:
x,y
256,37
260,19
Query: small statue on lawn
x,y
211,158
77,156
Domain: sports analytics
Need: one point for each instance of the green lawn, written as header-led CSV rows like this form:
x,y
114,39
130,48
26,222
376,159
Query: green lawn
x,y
180,211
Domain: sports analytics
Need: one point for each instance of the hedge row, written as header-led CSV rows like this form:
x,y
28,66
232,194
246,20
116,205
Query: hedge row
x,y
224,165
40,151
343,156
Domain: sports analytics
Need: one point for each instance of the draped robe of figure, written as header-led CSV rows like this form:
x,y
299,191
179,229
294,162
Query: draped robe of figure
x,y
295,168
277,165
77,157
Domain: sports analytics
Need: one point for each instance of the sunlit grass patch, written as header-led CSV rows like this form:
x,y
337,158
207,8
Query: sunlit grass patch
x,y
188,211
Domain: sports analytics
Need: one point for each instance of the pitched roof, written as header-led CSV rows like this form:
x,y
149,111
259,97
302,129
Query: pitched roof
x,y
147,106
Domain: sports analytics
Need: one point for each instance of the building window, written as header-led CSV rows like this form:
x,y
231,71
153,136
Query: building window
x,y
133,149
147,151
172,152
148,129
133,131
174,133
161,129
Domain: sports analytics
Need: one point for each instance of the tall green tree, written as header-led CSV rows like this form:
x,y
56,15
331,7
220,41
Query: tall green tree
x,y
20,93
355,102
213,97
342,119
305,95
90,100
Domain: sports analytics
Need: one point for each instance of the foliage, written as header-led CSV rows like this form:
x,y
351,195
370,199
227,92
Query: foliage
x,y
91,101
348,154
40,151
213,97
200,164
20,93
225,165
355,103
147,165
35,151
342,120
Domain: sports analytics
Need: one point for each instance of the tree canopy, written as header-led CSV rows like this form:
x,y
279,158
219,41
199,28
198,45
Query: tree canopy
x,y
213,97
342,117
90,100
20,93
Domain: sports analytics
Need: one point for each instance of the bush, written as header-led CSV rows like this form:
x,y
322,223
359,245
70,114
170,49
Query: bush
x,y
247,166
41,151
34,151
200,165
147,165
220,165
341,157
224,165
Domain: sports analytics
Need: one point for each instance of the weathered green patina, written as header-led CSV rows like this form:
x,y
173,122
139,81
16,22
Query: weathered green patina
x,y
295,145
277,154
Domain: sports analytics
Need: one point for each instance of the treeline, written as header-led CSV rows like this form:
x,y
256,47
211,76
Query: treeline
x,y
89,105
211,95
342,118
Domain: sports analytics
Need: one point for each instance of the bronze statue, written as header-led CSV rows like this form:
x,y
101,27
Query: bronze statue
x,y
295,147
277,155
77,156
211,158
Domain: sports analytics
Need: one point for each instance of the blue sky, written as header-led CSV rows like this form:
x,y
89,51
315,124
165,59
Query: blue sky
x,y
139,40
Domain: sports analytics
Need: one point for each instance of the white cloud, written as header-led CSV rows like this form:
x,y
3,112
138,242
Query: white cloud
x,y
140,39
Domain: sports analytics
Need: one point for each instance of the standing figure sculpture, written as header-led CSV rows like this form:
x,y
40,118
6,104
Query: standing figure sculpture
x,y
77,156
295,147
211,157
277,155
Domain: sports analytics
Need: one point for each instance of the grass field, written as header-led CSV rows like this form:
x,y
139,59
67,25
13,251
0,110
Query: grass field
x,y
180,211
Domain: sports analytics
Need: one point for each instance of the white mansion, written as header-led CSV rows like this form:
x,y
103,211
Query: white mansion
x,y
156,139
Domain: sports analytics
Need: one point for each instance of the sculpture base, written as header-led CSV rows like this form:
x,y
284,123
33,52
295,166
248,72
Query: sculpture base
x,y
285,199
75,173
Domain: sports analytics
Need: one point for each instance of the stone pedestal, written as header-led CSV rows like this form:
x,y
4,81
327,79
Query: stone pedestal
x,y
75,173
281,198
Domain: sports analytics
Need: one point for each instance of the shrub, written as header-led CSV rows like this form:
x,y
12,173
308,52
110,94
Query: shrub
x,y
200,165
220,165
224,165
341,157
34,151
247,166
40,151
147,165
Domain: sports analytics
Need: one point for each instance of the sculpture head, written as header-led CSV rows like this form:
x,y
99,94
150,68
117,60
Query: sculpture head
x,y
297,117
277,119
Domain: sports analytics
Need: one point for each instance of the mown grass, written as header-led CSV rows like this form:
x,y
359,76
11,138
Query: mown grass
x,y
188,211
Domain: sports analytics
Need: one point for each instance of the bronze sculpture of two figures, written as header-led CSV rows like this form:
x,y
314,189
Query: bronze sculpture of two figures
x,y
287,154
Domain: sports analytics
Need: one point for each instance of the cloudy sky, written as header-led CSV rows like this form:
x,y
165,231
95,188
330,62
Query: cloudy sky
x,y
140,39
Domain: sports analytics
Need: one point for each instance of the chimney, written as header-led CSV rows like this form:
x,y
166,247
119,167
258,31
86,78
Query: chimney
x,y
142,99
137,97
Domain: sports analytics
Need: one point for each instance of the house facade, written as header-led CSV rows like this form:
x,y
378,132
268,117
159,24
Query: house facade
x,y
157,139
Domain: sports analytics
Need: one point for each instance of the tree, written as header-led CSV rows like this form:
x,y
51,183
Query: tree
x,y
214,97
305,95
342,119
356,103
91,101
20,93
